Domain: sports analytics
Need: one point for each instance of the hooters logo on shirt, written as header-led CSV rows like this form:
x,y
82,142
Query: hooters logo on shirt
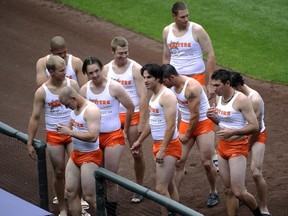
x,y
153,110
182,102
54,104
222,112
77,124
124,82
177,44
101,102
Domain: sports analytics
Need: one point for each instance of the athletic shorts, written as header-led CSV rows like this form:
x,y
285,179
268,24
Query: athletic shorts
x,y
174,148
203,127
56,139
80,158
199,77
134,121
262,137
233,148
111,139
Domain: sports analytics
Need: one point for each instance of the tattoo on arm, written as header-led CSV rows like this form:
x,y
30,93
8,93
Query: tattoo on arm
x,y
191,96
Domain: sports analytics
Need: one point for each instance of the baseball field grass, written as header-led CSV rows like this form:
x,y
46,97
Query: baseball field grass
x,y
250,37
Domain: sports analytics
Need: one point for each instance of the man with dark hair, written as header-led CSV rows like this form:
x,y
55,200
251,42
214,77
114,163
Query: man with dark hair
x,y
236,120
162,126
194,126
257,140
107,94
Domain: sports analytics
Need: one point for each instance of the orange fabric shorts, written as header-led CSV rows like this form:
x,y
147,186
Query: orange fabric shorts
x,y
111,139
134,121
262,137
233,148
199,77
203,127
80,158
55,139
174,148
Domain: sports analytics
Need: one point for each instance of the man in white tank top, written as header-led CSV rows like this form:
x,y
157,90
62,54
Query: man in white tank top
x,y
162,127
108,94
73,64
86,155
194,126
184,44
46,97
236,120
257,140
127,72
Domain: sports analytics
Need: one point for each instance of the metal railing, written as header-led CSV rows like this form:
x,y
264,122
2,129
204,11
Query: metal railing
x,y
102,174
40,148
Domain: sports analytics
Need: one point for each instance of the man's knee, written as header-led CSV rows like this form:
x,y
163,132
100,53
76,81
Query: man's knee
x,y
59,173
227,190
207,164
256,174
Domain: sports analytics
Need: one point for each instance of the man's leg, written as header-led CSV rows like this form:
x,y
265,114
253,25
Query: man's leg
x,y
231,201
258,150
165,178
238,173
88,183
139,161
72,176
57,158
180,165
205,144
112,156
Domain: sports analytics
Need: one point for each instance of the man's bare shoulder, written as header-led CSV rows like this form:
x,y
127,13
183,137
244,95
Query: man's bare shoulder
x,y
42,61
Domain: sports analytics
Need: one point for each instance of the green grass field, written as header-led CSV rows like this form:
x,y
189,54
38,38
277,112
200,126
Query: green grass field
x,y
250,37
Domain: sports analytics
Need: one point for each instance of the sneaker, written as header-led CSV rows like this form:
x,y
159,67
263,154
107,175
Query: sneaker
x,y
55,200
215,161
84,204
84,213
137,198
212,200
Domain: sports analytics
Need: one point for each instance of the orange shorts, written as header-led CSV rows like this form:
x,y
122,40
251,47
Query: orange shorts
x,y
174,148
233,148
203,127
80,158
111,139
134,121
199,77
55,139
262,137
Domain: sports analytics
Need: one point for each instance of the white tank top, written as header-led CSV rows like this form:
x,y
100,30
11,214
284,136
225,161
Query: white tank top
x,y
55,112
262,108
109,107
70,73
229,117
183,104
157,119
127,81
80,125
186,53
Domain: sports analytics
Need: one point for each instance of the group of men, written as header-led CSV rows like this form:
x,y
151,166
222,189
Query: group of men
x,y
92,110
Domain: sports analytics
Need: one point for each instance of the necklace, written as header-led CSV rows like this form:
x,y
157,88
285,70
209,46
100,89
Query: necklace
x,y
227,101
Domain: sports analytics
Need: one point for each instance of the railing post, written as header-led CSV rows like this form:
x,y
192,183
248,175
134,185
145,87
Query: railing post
x,y
100,194
40,148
